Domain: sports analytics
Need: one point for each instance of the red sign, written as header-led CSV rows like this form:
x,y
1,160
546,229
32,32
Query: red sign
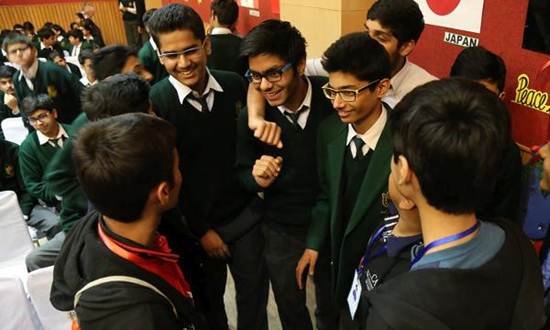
x,y
443,7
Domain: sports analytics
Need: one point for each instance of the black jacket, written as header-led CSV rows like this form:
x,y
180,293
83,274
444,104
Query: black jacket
x,y
116,305
505,293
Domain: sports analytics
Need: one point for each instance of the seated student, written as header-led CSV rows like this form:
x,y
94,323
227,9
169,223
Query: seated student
x,y
488,69
48,43
8,101
59,59
37,77
449,141
221,213
35,153
60,36
36,215
76,38
353,154
395,24
148,54
225,44
87,34
28,30
85,60
138,279
276,54
118,59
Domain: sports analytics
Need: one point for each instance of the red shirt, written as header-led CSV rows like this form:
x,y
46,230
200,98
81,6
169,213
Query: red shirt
x,y
159,260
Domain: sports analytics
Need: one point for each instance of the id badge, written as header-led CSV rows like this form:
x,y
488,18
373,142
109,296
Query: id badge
x,y
354,295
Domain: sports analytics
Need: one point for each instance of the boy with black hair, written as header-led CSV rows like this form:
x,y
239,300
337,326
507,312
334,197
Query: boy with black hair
x,y
35,154
75,38
28,30
353,154
85,59
225,44
59,59
276,53
37,77
138,279
148,54
117,59
8,101
449,139
220,212
48,43
87,28
481,65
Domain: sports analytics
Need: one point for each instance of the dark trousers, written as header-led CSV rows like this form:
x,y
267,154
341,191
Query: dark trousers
x,y
208,280
133,37
282,253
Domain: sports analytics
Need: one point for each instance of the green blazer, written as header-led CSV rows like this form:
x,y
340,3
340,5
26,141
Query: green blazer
x,y
347,244
150,60
86,44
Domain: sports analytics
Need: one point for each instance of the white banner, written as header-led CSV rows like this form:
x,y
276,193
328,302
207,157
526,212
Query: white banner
x,y
457,14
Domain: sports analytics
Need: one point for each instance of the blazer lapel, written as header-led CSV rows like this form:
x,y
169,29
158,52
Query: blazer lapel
x,y
374,180
335,153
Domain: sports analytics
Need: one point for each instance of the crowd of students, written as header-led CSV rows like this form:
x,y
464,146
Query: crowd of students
x,y
155,172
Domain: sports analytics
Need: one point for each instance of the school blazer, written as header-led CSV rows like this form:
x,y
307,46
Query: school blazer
x,y
346,245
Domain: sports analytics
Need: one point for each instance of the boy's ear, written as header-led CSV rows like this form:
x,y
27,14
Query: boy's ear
x,y
404,171
406,204
54,113
162,193
301,67
207,46
383,87
406,48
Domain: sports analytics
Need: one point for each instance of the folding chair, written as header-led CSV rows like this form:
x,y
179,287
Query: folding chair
x,y
14,130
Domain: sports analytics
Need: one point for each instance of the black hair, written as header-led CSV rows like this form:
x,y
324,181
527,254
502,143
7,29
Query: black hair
x,y
45,33
58,27
28,26
119,160
452,134
88,25
147,16
55,54
110,60
175,17
75,34
84,55
227,11
402,17
80,15
74,25
33,103
7,71
15,38
477,63
17,27
276,38
118,94
359,55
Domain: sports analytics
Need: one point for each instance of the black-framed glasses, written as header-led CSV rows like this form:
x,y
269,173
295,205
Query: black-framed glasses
x,y
40,118
271,75
174,56
347,95
20,49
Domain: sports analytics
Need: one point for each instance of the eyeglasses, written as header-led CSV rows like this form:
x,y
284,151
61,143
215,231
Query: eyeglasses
x,y
174,56
347,95
271,75
41,118
17,50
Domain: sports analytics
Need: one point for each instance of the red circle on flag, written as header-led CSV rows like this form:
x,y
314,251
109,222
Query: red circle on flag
x,y
443,7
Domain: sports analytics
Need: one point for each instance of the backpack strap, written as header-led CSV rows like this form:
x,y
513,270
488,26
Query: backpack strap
x,y
125,279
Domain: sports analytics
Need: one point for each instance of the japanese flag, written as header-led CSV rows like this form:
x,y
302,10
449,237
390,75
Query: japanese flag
x,y
457,14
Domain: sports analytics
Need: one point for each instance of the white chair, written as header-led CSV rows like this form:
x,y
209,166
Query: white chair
x,y
15,242
39,285
14,130
16,312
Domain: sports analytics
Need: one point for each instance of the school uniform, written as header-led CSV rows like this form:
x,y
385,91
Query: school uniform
x,y
84,45
149,58
353,197
131,22
51,79
5,112
45,52
225,51
405,80
213,198
35,153
74,69
288,202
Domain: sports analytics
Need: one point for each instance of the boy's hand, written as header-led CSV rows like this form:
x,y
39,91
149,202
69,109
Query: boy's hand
x,y
214,246
10,101
266,170
266,131
309,258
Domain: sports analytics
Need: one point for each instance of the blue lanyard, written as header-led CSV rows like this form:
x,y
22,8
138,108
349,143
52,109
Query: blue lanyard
x,y
374,238
444,240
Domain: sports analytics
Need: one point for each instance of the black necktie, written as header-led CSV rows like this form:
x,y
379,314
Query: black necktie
x,y
359,143
294,116
55,142
201,100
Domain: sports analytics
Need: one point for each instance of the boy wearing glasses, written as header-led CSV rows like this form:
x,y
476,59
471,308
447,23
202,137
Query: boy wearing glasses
x,y
353,155
276,54
204,105
35,154
37,77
